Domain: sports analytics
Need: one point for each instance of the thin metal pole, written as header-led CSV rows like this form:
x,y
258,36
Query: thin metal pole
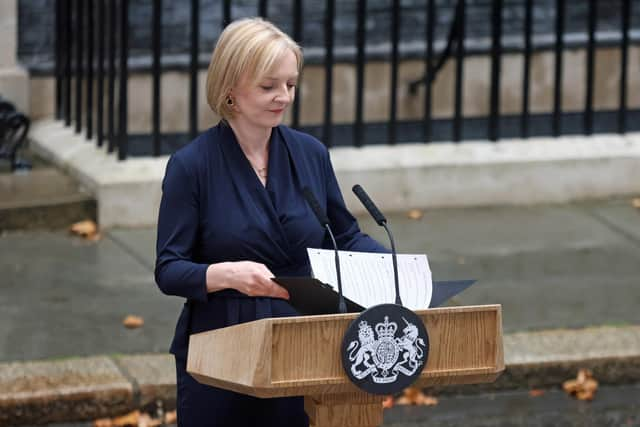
x,y
67,61
360,58
111,104
79,64
100,77
457,119
328,71
157,45
528,28
226,13
624,57
193,69
588,107
559,47
395,38
496,59
90,45
123,143
297,36
58,57
263,7
428,81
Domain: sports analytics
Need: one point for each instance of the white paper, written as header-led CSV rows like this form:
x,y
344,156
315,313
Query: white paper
x,y
367,278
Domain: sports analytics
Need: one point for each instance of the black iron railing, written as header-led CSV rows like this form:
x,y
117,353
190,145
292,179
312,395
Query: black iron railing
x,y
92,55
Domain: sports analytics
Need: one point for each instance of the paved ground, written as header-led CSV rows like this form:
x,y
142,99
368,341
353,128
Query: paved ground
x,y
616,406
550,267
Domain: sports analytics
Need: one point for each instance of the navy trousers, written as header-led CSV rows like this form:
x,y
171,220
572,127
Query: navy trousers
x,y
201,405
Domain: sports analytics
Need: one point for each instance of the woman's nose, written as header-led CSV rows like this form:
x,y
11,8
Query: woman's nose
x,y
283,95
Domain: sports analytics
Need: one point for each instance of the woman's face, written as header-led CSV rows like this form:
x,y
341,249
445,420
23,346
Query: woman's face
x,y
261,104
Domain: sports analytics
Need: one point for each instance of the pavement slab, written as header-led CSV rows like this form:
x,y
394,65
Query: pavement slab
x,y
72,389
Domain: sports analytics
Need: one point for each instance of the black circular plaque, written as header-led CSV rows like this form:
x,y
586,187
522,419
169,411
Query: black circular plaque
x,y
385,349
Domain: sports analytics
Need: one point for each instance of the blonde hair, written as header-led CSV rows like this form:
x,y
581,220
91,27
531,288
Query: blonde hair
x,y
248,47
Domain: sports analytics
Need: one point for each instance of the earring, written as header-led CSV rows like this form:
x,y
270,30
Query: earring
x,y
229,101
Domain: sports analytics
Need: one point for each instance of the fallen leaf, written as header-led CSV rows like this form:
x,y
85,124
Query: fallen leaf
x,y
536,392
403,400
133,322
414,396
428,400
171,417
145,420
87,229
414,214
130,419
387,402
635,202
583,387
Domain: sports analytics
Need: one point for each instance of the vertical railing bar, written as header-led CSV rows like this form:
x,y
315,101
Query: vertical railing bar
x,y
90,45
263,7
395,38
226,13
328,68
297,36
457,119
111,104
528,31
68,41
496,58
123,143
79,63
156,40
624,54
588,107
58,58
100,77
360,58
428,81
559,47
193,69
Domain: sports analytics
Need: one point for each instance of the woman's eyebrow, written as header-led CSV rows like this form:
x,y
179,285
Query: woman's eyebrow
x,y
293,76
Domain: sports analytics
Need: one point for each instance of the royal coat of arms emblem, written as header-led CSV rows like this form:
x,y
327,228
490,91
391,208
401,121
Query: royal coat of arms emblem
x,y
382,355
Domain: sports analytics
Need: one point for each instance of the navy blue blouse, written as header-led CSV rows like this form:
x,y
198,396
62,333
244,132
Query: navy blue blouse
x,y
214,208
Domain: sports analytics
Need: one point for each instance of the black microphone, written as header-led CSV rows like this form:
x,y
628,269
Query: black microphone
x,y
324,221
382,221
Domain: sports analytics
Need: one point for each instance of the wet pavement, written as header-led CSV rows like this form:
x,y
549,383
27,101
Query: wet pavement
x,y
555,266
615,406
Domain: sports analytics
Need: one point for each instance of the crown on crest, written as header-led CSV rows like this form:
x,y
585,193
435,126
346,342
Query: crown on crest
x,y
386,329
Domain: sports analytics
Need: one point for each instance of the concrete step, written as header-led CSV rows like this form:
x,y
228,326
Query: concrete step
x,y
43,197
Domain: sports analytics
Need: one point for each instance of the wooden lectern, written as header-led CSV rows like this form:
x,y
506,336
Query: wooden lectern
x,y
300,356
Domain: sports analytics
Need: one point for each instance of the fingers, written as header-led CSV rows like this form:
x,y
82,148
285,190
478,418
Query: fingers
x,y
255,280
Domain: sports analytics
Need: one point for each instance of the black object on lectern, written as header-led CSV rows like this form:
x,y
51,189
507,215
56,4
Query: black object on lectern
x,y
311,296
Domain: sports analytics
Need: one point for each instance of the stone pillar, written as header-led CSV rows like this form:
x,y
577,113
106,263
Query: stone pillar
x,y
14,79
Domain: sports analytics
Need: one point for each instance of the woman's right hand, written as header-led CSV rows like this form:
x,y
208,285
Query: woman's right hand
x,y
250,278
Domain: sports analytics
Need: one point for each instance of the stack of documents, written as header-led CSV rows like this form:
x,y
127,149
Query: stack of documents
x,y
367,278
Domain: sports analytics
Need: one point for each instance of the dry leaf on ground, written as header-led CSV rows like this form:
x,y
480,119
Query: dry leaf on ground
x,y
584,387
635,202
414,396
128,420
414,214
87,229
387,402
145,420
171,417
536,392
133,322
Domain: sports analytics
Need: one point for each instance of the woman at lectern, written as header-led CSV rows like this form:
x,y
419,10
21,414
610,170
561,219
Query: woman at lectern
x,y
233,215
